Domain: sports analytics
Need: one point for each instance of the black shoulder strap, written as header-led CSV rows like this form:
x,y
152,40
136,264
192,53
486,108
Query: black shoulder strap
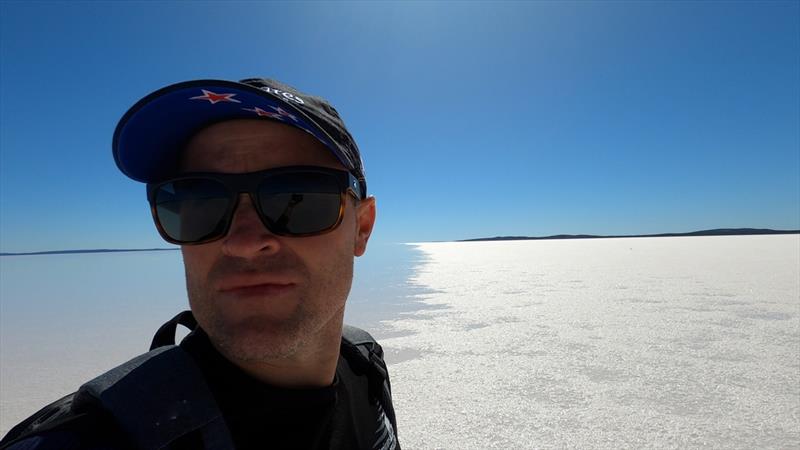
x,y
357,336
66,411
157,398
361,350
166,333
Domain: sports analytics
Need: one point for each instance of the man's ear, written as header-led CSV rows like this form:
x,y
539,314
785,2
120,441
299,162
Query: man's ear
x,y
365,220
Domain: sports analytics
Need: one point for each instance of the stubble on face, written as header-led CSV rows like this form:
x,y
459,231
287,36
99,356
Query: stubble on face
x,y
257,335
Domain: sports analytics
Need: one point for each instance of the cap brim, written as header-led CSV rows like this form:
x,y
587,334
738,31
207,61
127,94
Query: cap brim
x,y
150,136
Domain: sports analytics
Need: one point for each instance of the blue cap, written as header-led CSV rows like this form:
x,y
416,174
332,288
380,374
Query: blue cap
x,y
150,136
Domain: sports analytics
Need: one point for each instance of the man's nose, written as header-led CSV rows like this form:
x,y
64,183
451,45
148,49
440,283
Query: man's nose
x,y
248,236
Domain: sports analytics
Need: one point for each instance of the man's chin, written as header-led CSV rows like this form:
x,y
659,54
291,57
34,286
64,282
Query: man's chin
x,y
258,338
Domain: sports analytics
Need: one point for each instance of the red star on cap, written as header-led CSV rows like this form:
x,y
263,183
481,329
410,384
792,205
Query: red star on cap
x,y
280,114
215,98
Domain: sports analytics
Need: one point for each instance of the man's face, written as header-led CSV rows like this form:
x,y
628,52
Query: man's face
x,y
260,296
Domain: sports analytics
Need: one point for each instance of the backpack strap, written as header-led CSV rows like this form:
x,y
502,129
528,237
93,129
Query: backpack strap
x,y
166,333
362,351
158,398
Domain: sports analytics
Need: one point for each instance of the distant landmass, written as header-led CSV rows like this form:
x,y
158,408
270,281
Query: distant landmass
x,y
97,250
714,232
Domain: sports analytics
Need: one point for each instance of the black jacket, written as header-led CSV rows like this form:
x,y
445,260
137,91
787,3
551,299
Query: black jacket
x,y
190,397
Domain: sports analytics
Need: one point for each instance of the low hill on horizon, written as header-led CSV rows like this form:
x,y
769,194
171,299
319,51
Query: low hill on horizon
x,y
97,250
713,232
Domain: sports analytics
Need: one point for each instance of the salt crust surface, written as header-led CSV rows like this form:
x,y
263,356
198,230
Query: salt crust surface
x,y
609,343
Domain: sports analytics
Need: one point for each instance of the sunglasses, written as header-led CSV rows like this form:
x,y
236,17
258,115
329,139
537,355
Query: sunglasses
x,y
296,201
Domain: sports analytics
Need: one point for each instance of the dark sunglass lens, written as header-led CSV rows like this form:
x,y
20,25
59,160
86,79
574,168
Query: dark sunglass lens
x,y
192,210
300,203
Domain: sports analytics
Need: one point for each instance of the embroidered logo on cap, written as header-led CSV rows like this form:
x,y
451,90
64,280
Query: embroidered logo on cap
x,y
286,95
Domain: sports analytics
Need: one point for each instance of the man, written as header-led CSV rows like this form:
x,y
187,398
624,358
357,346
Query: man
x,y
264,190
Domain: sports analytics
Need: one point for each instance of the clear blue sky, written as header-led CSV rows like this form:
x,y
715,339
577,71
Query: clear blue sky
x,y
474,119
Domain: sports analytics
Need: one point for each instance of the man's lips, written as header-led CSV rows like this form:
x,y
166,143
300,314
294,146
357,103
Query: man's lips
x,y
259,290
249,285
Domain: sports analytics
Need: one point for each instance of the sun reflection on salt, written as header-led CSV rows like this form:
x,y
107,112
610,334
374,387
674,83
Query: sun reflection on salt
x,y
609,343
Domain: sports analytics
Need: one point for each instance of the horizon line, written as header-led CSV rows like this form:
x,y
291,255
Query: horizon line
x,y
709,232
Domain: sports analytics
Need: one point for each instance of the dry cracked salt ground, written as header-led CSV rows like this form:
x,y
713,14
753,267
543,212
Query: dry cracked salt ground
x,y
612,343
